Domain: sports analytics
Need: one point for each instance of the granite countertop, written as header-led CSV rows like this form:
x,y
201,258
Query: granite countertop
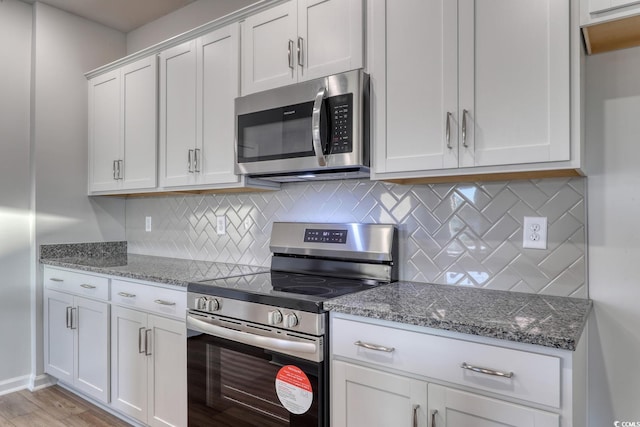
x,y
549,321
172,271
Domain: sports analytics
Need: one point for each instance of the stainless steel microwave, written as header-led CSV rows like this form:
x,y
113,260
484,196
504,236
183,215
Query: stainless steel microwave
x,y
317,129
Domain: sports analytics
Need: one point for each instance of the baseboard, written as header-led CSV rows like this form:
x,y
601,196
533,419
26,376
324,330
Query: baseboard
x,y
14,384
37,382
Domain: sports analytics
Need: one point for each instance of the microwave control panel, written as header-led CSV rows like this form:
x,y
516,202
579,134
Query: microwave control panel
x,y
341,119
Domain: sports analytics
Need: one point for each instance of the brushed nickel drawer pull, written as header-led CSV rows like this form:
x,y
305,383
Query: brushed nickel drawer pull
x,y
486,371
374,347
126,295
53,279
163,302
86,286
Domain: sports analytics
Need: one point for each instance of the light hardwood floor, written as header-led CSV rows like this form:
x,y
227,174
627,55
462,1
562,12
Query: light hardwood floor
x,y
52,407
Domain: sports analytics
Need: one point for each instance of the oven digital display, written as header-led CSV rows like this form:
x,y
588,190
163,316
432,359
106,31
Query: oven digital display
x,y
325,236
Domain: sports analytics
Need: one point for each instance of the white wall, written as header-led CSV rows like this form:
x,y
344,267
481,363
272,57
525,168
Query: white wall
x,y
613,152
15,51
191,16
66,47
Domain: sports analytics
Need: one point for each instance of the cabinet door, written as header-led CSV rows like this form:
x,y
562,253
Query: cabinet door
x,y
139,123
58,335
330,37
167,372
414,85
461,409
269,54
514,81
364,397
104,130
218,68
91,323
178,109
128,362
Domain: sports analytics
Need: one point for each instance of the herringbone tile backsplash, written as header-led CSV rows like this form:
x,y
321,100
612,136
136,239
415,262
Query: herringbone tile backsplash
x,y
458,234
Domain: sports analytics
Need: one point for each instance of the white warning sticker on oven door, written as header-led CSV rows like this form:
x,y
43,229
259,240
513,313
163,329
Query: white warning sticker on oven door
x,y
294,389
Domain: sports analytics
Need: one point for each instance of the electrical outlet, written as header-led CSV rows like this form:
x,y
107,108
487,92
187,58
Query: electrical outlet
x,y
534,232
147,224
221,225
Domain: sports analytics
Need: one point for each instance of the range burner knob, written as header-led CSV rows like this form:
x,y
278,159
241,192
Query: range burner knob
x,y
290,320
201,303
212,304
274,317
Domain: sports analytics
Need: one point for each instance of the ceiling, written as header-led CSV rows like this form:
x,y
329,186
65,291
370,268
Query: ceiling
x,y
123,15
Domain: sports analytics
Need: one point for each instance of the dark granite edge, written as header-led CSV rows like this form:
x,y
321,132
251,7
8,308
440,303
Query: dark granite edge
x,y
111,272
545,340
89,250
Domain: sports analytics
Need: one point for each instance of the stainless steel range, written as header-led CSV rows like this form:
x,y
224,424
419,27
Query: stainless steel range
x,y
258,344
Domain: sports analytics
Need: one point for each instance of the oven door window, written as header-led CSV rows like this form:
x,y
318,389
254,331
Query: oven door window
x,y
232,384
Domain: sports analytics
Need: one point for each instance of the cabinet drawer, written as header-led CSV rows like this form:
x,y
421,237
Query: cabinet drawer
x,y
77,283
536,377
167,302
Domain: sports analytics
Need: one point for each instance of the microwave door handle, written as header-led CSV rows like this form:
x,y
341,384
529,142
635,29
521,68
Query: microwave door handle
x,y
315,127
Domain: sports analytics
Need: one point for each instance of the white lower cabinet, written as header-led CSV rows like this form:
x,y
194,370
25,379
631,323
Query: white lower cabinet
x,y
77,342
148,367
449,407
390,374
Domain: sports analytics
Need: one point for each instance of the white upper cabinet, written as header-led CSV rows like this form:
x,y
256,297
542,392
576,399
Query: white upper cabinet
x,y
123,128
198,84
301,40
473,86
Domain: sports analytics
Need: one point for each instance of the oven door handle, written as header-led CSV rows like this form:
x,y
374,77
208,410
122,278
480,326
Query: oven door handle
x,y
250,339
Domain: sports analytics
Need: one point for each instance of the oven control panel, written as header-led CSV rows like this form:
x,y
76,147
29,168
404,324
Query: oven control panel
x,y
325,236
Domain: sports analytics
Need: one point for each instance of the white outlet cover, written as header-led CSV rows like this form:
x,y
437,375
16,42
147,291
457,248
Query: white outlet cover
x,y
147,223
221,225
534,232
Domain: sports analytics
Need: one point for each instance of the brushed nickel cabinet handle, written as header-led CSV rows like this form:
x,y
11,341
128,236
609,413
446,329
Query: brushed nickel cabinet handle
x,y
290,54
53,279
69,317
74,324
87,286
448,131
486,371
464,128
190,161
163,302
120,169
374,347
126,295
115,177
141,331
147,342
301,51
196,160
415,415
433,417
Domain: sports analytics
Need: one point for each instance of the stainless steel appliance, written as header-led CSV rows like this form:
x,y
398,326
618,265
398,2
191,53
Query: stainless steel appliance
x,y
317,129
257,345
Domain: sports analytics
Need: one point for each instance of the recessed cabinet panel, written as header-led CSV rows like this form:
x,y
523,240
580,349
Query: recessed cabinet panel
x,y
104,130
268,48
330,37
139,98
58,335
178,103
219,65
421,86
92,348
514,88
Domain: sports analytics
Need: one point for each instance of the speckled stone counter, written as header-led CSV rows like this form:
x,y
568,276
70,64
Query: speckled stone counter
x,y
535,319
172,271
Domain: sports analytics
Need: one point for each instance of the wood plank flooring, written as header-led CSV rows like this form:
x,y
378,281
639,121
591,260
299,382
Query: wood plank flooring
x,y
52,407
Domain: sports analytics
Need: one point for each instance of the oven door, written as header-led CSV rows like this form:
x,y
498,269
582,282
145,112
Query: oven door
x,y
233,380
